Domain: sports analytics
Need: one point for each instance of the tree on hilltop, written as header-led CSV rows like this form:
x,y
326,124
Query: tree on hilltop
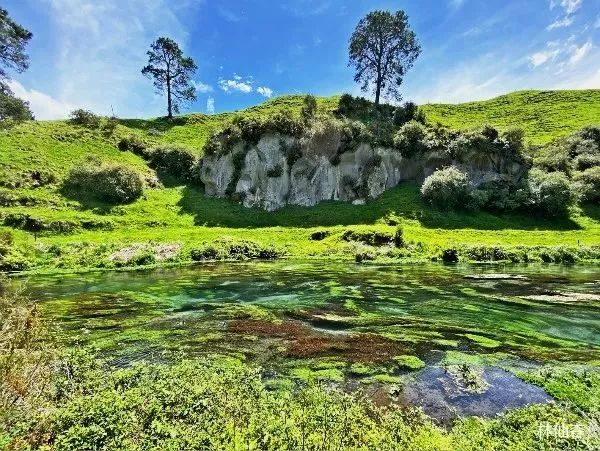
x,y
171,73
382,49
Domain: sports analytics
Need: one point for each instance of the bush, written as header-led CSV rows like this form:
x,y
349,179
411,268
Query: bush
x,y
411,139
309,108
589,184
111,183
372,237
229,248
134,145
285,124
450,255
85,118
448,189
551,193
408,112
586,161
177,161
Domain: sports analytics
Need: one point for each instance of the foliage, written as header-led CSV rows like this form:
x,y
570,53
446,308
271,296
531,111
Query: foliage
x,y
135,145
448,188
232,249
24,357
13,39
309,108
589,184
551,193
85,118
110,182
382,50
370,236
411,139
13,110
171,73
410,111
175,160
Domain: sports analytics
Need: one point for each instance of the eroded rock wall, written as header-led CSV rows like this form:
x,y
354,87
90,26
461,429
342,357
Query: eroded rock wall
x,y
282,170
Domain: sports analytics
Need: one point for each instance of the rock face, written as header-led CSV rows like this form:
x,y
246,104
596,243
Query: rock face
x,y
282,170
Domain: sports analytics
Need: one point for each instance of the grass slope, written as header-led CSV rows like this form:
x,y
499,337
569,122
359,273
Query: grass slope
x,y
178,213
544,115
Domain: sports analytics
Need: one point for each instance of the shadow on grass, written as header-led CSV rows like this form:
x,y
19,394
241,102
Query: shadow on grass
x,y
403,201
591,211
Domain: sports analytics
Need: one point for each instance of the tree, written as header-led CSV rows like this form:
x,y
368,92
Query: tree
x,y
171,73
382,49
13,39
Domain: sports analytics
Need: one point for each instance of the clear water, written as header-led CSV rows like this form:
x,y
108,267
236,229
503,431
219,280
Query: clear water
x,y
281,314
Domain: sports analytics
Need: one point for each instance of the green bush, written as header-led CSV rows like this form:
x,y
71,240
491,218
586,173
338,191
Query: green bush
x,y
234,249
372,237
589,184
85,118
135,145
111,183
309,108
176,161
586,161
551,193
411,139
408,112
448,188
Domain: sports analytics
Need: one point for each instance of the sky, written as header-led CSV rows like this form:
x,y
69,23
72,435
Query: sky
x,y
89,53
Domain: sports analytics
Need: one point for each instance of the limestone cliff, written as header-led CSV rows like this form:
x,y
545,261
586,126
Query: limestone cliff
x,y
281,170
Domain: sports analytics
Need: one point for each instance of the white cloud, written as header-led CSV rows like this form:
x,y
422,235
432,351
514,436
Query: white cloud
x,y
237,83
201,87
102,48
570,6
264,91
210,106
580,53
561,23
42,105
539,58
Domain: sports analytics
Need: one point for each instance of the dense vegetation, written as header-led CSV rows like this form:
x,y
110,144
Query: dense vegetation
x,y
50,224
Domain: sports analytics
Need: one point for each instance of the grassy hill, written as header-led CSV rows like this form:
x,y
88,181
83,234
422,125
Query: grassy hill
x,y
36,156
544,115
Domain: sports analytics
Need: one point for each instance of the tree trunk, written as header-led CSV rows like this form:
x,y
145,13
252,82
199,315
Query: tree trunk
x,y
169,101
378,92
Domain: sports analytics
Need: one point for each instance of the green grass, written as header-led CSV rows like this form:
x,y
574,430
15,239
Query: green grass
x,y
544,115
176,213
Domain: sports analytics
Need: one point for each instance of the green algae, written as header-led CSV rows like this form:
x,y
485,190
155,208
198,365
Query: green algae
x,y
409,362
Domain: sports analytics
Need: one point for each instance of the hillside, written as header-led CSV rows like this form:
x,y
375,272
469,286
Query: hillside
x,y
544,115
37,156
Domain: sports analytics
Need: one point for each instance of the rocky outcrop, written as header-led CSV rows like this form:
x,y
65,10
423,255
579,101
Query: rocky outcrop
x,y
281,170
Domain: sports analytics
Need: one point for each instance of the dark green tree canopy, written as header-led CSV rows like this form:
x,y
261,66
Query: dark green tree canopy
x,y
382,49
171,73
13,39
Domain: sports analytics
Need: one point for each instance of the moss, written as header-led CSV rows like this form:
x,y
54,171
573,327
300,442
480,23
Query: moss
x,y
409,362
483,341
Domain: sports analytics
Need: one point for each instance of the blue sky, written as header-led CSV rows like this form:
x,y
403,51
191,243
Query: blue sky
x,y
89,53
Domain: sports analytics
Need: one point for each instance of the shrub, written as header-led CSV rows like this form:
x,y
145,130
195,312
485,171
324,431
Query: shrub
x,y
251,129
309,108
112,183
399,237
319,235
229,248
285,124
134,145
372,237
450,255
589,184
411,139
408,112
177,161
85,118
551,193
586,161
553,158
448,188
